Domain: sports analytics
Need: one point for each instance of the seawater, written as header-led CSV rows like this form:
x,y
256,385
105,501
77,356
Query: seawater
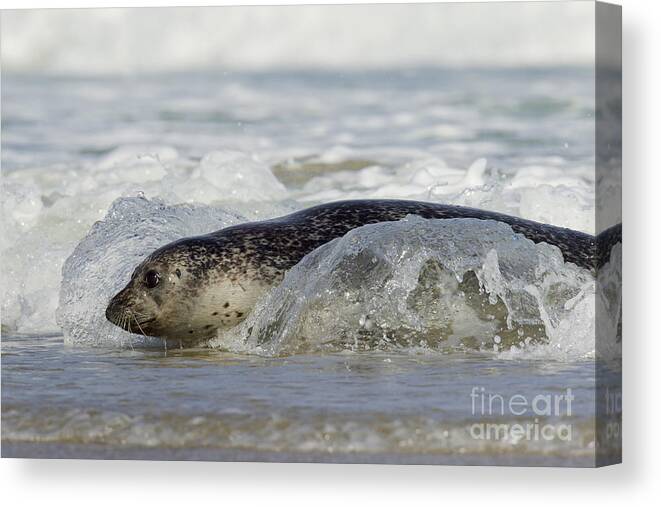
x,y
97,172
349,407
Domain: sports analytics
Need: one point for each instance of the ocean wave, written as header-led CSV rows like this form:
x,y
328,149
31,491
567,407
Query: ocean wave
x,y
147,40
298,432
428,285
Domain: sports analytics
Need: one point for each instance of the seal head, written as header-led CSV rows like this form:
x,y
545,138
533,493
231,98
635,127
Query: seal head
x,y
177,293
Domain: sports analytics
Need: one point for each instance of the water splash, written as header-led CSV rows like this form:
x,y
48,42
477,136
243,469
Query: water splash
x,y
426,284
103,261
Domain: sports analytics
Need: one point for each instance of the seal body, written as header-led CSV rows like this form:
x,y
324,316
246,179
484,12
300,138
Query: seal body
x,y
190,288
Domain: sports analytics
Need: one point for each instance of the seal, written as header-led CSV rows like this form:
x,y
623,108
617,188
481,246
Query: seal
x,y
189,289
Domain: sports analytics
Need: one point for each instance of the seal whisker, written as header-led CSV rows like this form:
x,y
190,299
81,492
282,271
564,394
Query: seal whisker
x,y
138,323
124,319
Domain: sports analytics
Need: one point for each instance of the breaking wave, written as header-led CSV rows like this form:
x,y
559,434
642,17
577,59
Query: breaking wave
x,y
429,285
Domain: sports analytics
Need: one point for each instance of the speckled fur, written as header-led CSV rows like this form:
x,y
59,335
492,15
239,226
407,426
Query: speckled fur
x,y
223,273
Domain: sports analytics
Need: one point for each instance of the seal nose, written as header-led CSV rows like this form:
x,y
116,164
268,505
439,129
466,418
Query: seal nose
x,y
110,313
113,310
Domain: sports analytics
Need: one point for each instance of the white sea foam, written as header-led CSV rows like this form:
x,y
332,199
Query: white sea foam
x,y
47,212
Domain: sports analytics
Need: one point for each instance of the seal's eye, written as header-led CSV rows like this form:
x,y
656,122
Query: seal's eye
x,y
152,278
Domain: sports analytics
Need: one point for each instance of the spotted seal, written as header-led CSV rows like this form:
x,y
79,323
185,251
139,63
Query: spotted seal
x,y
190,288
